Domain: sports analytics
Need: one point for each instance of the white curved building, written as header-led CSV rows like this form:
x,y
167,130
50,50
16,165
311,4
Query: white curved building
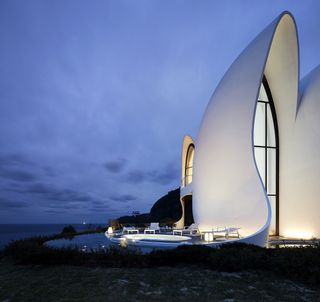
x,y
255,163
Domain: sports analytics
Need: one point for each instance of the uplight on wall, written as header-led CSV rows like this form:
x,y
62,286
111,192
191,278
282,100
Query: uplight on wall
x,y
298,234
208,237
110,230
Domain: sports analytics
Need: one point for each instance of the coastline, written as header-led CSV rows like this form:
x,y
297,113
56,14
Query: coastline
x,y
12,232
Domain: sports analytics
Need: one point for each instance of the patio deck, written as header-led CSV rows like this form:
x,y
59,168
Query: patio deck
x,y
274,241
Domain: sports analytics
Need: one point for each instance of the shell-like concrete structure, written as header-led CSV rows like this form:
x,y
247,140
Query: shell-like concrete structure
x,y
227,187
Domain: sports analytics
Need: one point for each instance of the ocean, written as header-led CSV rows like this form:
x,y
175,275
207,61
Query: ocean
x,y
10,232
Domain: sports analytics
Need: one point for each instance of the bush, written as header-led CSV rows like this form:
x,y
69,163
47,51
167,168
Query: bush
x,y
69,229
114,223
299,263
141,220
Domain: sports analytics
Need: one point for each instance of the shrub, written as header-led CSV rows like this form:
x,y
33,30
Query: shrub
x,y
301,264
114,223
69,229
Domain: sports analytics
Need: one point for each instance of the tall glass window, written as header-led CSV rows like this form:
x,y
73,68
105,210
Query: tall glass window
x,y
189,164
266,150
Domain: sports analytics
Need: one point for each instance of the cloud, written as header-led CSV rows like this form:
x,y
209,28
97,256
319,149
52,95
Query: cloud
x,y
52,193
67,206
163,176
136,176
101,209
48,171
12,204
14,160
52,211
115,166
68,195
13,167
97,206
17,175
123,198
39,188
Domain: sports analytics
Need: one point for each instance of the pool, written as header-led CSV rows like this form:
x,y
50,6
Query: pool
x,y
84,242
152,240
145,242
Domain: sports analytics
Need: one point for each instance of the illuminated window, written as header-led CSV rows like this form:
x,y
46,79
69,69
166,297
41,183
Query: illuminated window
x,y
266,150
189,164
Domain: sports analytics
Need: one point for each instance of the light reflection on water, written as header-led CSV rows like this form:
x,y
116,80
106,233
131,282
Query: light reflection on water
x,y
90,242
87,242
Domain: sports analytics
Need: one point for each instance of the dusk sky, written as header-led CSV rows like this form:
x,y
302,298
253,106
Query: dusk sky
x,y
96,96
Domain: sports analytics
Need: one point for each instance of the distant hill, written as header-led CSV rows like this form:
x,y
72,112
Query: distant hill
x,y
166,210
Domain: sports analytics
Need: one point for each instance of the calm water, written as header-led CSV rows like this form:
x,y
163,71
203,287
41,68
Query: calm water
x,y
9,232
92,242
85,242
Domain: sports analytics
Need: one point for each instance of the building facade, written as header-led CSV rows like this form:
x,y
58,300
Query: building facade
x,y
255,163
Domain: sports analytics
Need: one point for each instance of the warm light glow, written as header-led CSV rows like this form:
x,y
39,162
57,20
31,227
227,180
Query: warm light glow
x,y
189,165
208,237
110,230
299,234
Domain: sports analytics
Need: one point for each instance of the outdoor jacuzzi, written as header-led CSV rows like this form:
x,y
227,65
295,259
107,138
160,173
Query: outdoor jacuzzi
x,y
152,240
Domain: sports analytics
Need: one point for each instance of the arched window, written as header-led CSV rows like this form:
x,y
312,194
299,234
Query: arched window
x,y
189,164
266,150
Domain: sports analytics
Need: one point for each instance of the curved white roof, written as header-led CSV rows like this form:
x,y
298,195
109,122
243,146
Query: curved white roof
x,y
227,189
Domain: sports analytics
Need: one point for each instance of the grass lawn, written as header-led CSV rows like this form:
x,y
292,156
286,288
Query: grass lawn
x,y
69,283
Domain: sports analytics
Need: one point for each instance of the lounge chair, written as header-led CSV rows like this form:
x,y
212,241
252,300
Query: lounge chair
x,y
192,230
130,230
232,232
153,228
225,232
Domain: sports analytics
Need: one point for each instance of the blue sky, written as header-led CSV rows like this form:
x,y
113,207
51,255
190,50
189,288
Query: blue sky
x,y
96,96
